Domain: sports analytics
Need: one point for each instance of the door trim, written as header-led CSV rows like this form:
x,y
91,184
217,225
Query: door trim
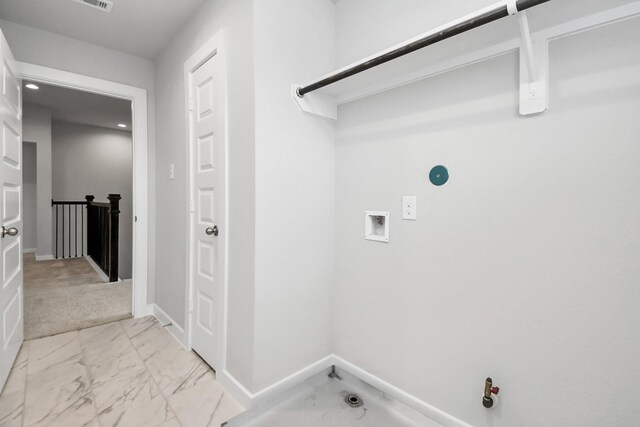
x,y
214,46
138,98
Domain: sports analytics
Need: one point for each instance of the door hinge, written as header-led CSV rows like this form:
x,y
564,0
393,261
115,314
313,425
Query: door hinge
x,y
191,103
192,207
190,306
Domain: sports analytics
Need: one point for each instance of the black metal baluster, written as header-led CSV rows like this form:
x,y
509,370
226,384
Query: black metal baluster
x,y
82,229
69,231
75,239
62,231
56,231
102,240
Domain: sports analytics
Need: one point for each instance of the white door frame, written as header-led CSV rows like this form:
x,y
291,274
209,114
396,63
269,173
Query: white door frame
x,y
138,98
214,46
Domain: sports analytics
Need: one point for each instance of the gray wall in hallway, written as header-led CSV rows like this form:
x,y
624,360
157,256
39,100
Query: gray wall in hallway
x,y
97,161
29,196
36,127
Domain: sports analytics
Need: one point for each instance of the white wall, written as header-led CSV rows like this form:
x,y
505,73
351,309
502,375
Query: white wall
x,y
369,28
294,42
36,127
97,161
236,17
524,267
51,50
29,196
288,304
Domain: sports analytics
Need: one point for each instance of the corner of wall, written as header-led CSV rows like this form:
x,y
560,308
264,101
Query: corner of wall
x,y
235,16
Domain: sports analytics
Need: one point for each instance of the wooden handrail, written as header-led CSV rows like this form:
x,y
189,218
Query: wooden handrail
x,y
101,204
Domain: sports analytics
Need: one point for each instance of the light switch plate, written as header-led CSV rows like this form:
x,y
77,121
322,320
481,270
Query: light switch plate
x,y
409,208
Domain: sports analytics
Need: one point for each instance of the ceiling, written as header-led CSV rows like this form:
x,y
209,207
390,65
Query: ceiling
x,y
74,106
138,27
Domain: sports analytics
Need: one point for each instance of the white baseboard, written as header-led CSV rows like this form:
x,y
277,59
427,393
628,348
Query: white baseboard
x,y
102,274
44,257
248,399
148,311
98,270
243,396
293,379
29,251
172,326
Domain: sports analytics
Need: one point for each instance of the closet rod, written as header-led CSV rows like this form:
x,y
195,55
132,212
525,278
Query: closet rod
x,y
485,16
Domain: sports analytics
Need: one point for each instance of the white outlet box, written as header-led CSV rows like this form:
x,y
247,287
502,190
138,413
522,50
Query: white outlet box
x,y
409,208
376,226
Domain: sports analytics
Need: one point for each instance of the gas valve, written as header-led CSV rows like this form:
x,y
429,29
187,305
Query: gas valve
x,y
489,389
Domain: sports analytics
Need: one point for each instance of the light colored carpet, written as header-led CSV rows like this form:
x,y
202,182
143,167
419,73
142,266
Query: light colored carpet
x,y
67,295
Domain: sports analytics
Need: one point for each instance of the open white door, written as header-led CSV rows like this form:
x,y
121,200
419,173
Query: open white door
x,y
207,135
11,319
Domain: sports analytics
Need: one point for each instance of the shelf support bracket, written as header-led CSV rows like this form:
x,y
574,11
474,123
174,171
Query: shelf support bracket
x,y
534,66
317,104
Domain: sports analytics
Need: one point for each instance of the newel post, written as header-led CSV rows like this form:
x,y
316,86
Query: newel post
x,y
91,225
114,231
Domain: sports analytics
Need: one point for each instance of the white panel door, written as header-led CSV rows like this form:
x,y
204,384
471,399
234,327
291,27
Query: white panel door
x,y
11,319
207,144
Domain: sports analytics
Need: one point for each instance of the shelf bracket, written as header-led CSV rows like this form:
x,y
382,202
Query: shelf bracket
x,y
317,104
534,67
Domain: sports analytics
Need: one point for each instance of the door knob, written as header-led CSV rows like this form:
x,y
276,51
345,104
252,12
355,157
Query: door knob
x,y
212,230
9,231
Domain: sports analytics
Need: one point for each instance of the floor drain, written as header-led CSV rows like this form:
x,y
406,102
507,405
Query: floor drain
x,y
353,400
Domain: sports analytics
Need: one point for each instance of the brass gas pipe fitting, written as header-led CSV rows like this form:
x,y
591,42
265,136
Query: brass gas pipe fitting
x,y
489,389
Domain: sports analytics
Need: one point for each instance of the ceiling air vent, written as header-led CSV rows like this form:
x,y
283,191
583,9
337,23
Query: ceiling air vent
x,y
103,5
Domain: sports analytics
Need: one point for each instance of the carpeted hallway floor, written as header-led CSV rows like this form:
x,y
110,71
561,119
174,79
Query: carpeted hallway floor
x,y
68,295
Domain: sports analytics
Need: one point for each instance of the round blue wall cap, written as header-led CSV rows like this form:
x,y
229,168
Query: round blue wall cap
x,y
439,175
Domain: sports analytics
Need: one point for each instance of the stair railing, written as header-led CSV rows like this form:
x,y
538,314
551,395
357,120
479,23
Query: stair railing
x,y
101,228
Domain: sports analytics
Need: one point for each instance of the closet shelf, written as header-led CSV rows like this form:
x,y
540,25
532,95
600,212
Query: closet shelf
x,y
508,32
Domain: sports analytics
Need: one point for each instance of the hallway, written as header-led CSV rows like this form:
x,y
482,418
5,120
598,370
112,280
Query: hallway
x,y
127,373
67,294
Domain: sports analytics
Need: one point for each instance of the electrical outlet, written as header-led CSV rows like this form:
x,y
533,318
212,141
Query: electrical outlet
x,y
409,208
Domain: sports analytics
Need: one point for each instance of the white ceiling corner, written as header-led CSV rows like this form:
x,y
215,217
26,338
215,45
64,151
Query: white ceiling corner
x,y
138,27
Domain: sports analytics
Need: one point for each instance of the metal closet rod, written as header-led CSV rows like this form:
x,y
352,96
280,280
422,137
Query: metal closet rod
x,y
499,12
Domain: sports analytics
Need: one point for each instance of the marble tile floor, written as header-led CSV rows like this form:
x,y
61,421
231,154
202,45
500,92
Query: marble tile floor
x,y
127,373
